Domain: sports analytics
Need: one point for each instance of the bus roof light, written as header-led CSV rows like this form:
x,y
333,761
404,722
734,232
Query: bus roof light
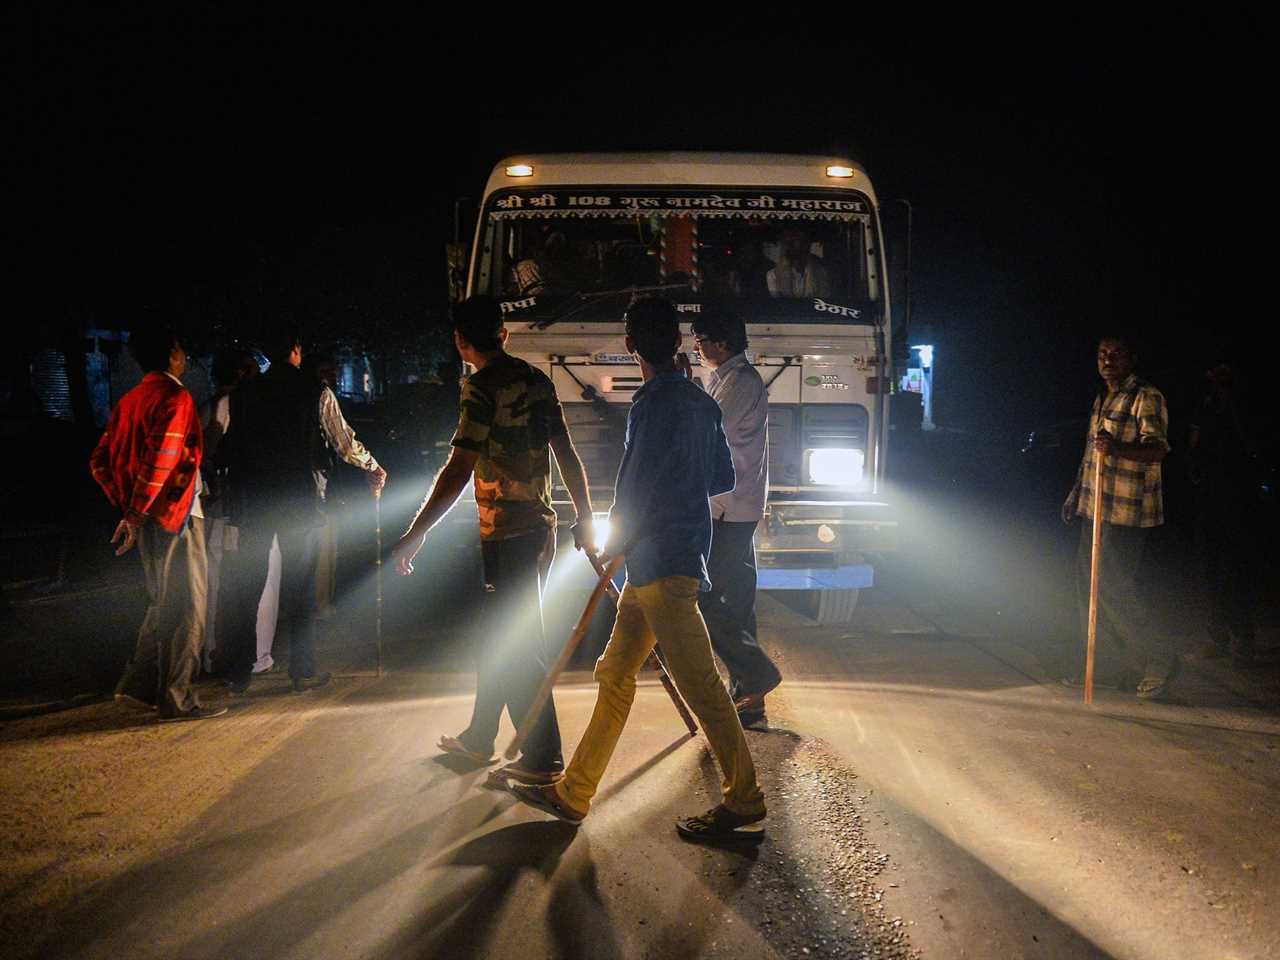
x,y
838,171
520,170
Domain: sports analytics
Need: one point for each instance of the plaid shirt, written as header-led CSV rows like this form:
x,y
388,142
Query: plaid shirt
x,y
1131,491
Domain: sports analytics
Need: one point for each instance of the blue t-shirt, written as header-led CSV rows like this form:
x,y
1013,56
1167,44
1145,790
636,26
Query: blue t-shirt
x,y
676,457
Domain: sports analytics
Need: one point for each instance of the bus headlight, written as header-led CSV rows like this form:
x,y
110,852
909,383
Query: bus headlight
x,y
835,467
600,522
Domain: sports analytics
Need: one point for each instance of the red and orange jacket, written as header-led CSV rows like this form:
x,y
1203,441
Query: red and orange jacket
x,y
149,457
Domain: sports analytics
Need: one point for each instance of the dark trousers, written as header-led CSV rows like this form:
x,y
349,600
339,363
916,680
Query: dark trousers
x,y
512,659
1228,539
167,653
1126,642
243,580
730,609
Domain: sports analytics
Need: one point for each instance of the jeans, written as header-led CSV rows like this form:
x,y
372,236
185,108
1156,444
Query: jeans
x,y
1126,642
244,579
665,610
167,653
729,609
512,660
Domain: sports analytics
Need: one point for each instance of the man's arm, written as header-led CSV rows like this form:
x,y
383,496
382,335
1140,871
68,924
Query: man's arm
x,y
722,476
628,490
450,483
575,479
100,466
1152,444
343,440
166,440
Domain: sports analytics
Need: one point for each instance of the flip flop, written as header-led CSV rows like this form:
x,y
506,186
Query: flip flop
x,y
454,746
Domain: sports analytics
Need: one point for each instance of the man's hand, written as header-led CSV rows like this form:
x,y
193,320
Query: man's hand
x,y
404,552
1069,506
1105,444
377,479
584,535
129,531
684,366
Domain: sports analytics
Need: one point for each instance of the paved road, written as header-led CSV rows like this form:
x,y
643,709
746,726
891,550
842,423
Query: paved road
x,y
928,794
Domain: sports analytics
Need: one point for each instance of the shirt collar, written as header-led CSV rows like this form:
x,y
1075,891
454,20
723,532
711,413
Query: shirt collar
x,y
673,377
722,371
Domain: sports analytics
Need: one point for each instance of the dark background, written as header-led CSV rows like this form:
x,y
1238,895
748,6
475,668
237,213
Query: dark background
x,y
1070,173
1067,175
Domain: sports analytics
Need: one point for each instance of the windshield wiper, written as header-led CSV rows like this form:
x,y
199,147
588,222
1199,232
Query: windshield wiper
x,y
581,301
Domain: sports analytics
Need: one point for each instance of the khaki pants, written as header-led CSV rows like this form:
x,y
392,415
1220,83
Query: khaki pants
x,y
168,650
665,611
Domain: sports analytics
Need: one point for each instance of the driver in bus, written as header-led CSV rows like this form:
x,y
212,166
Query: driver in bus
x,y
545,268
799,273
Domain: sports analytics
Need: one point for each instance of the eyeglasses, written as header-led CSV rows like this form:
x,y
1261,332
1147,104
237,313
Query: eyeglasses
x,y
701,340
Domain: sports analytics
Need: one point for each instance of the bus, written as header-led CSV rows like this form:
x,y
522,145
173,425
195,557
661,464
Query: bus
x,y
792,244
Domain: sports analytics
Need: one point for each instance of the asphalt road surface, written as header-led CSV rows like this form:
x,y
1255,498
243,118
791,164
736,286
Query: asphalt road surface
x,y
932,793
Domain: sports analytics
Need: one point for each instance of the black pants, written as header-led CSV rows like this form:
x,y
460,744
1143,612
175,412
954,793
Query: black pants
x,y
512,659
168,649
243,581
730,609
1126,641
1227,533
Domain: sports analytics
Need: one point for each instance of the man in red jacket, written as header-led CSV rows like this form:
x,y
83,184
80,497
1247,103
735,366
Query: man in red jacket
x,y
148,464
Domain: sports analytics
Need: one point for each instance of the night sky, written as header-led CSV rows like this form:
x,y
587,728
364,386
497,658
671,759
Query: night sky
x,y
1066,175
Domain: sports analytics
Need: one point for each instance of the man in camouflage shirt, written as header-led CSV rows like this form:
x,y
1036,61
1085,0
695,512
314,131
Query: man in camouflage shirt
x,y
510,422
1128,428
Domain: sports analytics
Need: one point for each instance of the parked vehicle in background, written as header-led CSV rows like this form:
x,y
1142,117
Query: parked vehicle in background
x,y
790,243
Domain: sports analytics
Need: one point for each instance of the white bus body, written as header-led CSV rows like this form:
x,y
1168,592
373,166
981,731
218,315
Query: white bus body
x,y
565,241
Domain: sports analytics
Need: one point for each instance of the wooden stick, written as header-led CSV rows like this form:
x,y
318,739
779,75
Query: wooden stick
x,y
1095,564
575,638
655,656
377,513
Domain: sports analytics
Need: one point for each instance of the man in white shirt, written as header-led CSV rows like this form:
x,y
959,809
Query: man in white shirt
x,y
729,607
798,273
279,422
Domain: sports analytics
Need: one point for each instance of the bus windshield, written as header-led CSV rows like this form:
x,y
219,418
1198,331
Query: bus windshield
x,y
581,253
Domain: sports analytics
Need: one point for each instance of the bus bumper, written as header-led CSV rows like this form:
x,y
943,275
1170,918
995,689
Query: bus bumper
x,y
821,544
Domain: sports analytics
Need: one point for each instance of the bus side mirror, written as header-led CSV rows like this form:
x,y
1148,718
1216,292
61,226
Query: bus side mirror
x,y
456,265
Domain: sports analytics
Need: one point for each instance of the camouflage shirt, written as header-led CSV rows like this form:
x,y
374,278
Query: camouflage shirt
x,y
509,415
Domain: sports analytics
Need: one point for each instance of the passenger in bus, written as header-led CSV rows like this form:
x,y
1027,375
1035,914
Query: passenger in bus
x,y
749,268
799,273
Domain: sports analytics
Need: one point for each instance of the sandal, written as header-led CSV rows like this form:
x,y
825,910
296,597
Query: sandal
x,y
722,825
517,771
457,748
545,798
1155,686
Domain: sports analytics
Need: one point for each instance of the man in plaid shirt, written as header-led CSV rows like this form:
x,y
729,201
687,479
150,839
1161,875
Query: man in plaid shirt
x,y
1128,429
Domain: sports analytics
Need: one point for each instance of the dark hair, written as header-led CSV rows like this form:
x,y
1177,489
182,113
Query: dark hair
x,y
653,324
317,364
228,364
281,340
478,319
721,326
1123,337
152,345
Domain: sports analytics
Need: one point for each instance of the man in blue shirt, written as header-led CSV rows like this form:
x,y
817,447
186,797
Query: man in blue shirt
x,y
676,458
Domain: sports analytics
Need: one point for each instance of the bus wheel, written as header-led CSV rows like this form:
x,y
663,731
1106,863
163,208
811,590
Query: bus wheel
x,y
835,606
